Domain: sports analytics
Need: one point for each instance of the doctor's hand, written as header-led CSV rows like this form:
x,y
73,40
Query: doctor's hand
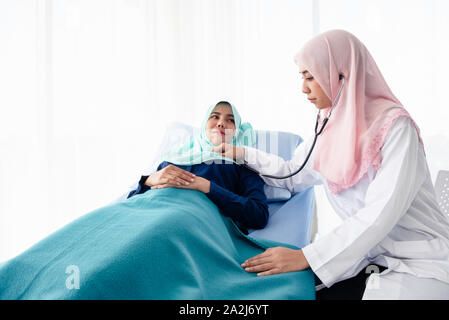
x,y
276,260
170,175
230,151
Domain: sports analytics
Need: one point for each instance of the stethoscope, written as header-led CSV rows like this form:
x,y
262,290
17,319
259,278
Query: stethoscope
x,y
317,133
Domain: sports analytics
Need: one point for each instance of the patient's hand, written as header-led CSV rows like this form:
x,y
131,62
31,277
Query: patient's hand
x,y
170,175
199,183
230,151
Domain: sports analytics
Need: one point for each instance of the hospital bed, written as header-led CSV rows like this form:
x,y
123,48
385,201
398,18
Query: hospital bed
x,y
110,252
291,216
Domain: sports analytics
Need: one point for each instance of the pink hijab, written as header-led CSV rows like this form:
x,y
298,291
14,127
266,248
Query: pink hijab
x,y
365,112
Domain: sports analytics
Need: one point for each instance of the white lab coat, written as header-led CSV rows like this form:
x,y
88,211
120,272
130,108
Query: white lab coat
x,y
390,218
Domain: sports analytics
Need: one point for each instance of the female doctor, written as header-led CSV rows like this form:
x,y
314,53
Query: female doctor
x,y
371,160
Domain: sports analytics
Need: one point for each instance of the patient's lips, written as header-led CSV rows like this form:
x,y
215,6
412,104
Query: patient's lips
x,y
216,131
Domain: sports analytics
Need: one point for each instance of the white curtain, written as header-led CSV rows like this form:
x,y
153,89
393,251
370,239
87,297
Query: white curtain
x,y
88,86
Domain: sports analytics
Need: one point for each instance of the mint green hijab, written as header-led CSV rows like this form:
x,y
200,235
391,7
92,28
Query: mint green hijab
x,y
197,150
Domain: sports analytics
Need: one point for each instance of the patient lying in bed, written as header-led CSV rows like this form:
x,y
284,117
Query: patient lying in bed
x,y
237,191
182,239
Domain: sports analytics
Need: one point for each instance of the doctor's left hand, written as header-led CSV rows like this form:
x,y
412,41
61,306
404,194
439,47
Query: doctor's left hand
x,y
230,151
276,260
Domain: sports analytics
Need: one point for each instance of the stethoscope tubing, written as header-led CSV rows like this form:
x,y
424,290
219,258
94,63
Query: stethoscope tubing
x,y
317,133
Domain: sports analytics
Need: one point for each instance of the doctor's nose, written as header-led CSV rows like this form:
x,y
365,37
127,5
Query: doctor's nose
x,y
305,88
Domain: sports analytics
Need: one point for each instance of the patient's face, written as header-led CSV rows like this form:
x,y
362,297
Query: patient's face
x,y
220,126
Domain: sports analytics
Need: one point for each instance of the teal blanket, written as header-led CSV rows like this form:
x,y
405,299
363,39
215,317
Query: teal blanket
x,y
163,244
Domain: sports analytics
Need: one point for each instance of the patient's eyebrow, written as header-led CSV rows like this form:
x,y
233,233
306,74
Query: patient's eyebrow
x,y
304,72
218,113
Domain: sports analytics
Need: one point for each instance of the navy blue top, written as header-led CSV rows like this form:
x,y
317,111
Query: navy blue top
x,y
236,191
